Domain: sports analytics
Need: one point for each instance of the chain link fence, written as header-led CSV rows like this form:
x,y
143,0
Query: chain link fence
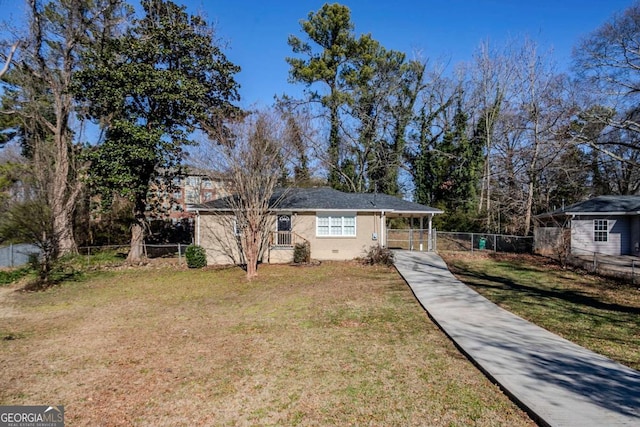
x,y
102,255
623,267
418,240
17,255
453,241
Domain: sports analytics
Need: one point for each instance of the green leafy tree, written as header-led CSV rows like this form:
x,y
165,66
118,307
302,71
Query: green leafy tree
x,y
423,153
332,44
151,89
460,161
383,88
369,93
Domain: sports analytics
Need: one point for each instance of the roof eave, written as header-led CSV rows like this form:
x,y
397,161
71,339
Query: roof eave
x,y
602,213
200,208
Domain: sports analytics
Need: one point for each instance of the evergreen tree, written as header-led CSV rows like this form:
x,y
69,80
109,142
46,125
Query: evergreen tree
x,y
150,89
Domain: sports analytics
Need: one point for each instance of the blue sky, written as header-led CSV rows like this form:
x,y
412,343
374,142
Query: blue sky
x,y
442,30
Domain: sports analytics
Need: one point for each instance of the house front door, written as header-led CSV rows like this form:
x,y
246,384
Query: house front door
x,y
284,230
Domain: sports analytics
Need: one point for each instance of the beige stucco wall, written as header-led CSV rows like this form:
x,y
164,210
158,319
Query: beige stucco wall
x,y
338,248
215,234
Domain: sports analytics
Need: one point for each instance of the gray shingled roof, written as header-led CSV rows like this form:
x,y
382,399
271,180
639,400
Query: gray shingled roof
x,y
620,205
328,199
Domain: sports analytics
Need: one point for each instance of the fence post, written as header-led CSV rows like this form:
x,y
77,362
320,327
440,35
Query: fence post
x,y
495,243
411,239
11,255
179,254
471,242
633,272
433,240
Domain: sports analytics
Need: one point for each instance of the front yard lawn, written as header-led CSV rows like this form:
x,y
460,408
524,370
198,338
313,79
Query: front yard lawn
x,y
332,345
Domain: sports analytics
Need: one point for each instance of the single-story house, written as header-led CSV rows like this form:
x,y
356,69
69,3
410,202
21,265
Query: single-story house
x,y
335,225
607,225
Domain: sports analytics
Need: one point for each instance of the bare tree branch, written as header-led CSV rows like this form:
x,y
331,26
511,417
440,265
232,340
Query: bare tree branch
x,y
7,62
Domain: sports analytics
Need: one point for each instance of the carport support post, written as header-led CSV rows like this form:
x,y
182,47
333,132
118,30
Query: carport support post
x,y
421,233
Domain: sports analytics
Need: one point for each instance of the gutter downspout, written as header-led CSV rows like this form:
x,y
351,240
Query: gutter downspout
x,y
197,228
383,229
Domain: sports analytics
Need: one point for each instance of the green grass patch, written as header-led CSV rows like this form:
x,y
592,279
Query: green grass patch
x,y
13,275
594,312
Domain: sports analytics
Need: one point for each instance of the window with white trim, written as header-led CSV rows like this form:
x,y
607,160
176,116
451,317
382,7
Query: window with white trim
x,y
600,230
336,225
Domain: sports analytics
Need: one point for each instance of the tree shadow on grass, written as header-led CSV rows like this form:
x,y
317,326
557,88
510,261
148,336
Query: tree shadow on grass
x,y
486,281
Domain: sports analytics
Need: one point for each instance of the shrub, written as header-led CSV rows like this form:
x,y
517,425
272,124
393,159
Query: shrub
x,y
302,253
196,256
377,255
10,276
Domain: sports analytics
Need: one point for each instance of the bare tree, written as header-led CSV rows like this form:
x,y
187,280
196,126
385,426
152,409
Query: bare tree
x,y
492,76
39,96
608,60
250,156
544,115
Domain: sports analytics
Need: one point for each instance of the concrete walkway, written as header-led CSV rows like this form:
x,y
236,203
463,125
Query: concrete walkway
x,y
557,382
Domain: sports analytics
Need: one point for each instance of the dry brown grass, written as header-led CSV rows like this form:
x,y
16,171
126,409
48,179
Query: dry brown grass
x,y
336,344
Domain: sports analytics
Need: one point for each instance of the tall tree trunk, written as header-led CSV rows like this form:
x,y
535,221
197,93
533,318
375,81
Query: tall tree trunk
x,y
532,172
53,63
334,149
252,260
136,252
137,241
65,188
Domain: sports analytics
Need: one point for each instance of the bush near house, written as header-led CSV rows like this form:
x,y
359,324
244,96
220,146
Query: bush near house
x,y
302,253
378,255
196,256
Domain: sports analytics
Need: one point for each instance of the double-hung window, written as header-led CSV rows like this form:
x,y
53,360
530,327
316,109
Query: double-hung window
x,y
336,225
600,230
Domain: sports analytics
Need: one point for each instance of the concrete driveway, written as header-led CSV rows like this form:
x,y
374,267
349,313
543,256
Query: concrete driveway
x,y
559,383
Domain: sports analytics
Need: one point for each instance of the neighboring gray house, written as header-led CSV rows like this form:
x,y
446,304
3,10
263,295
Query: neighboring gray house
x,y
607,225
336,225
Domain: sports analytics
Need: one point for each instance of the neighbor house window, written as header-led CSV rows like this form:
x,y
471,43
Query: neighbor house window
x,y
336,225
600,230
